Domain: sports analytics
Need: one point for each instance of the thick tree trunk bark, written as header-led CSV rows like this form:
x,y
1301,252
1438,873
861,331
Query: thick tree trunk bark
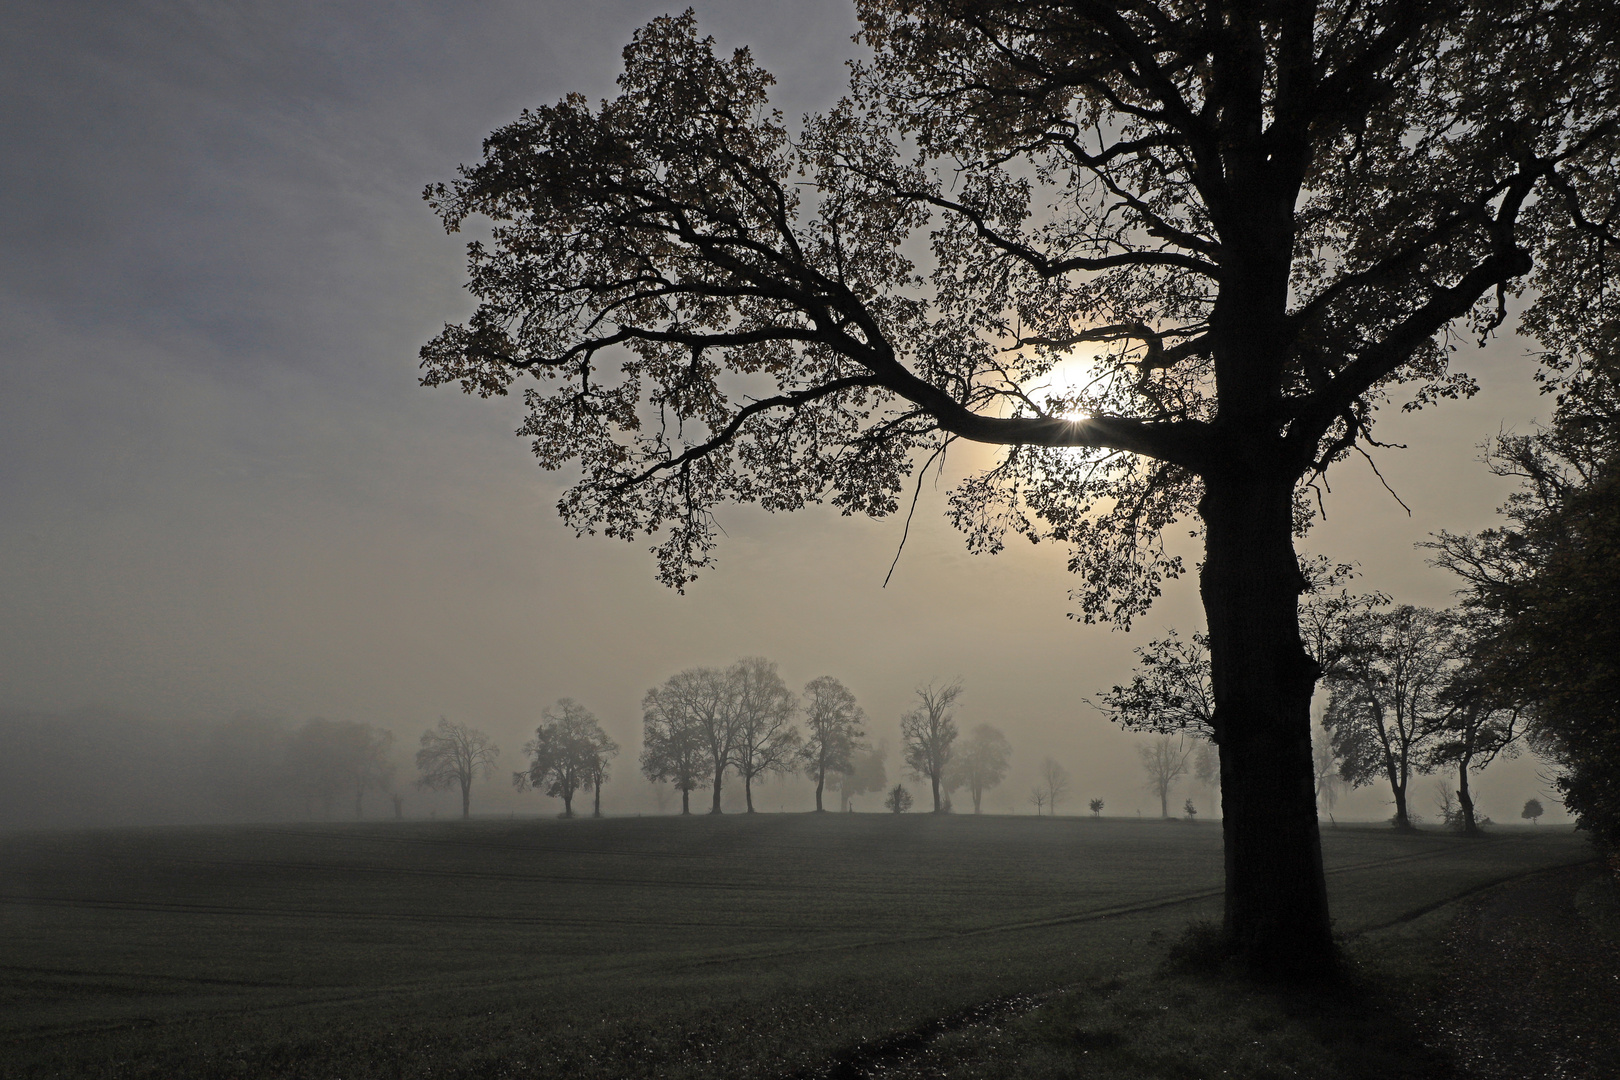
x,y
466,799
748,792
821,782
1164,802
686,800
934,780
1276,895
568,804
596,805
718,773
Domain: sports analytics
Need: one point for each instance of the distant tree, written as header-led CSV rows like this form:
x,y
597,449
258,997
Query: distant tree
x,y
672,744
1055,782
898,800
569,751
399,805
979,763
455,754
1206,768
1481,720
928,735
1445,803
1166,759
1190,810
867,774
598,768
1326,766
1532,810
328,758
766,740
1384,706
1096,807
1037,798
710,700
832,723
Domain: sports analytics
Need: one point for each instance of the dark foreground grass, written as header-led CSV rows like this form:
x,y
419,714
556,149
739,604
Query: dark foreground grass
x,y
778,945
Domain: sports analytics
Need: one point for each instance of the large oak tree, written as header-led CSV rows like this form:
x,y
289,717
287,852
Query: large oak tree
x,y
1170,255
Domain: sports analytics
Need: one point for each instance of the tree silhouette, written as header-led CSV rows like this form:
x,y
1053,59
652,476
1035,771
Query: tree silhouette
x,y
1055,782
898,800
979,763
832,723
928,735
1171,256
454,753
1166,759
672,742
766,740
569,751
1385,708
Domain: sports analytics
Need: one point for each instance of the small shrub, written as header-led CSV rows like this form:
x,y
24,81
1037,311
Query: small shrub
x,y
898,800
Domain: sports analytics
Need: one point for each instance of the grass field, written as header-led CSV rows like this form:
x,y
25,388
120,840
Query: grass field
x,y
660,946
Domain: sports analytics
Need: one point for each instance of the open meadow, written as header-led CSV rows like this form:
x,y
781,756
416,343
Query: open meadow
x,y
658,946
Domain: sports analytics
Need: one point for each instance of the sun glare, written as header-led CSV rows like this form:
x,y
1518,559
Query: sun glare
x,y
1068,380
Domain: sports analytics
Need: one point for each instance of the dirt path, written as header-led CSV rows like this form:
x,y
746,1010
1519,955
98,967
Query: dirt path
x,y
1533,984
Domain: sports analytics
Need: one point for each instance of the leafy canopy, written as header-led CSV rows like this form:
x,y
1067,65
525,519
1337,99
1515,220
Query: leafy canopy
x,y
1137,244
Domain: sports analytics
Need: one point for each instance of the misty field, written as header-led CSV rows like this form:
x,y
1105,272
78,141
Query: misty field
x,y
655,946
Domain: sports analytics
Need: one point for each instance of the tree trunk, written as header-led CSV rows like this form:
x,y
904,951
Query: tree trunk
x,y
934,779
686,800
568,804
596,806
1466,800
719,771
1403,820
466,799
821,782
978,794
1276,918
1164,801
748,791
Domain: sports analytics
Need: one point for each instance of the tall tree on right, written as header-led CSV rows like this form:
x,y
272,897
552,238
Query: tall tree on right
x,y
928,735
1545,585
1168,257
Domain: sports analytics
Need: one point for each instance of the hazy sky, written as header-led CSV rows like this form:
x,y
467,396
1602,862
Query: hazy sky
x,y
221,488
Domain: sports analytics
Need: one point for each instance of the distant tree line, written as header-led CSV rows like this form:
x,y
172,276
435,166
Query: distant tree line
x,y
1407,695
95,767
